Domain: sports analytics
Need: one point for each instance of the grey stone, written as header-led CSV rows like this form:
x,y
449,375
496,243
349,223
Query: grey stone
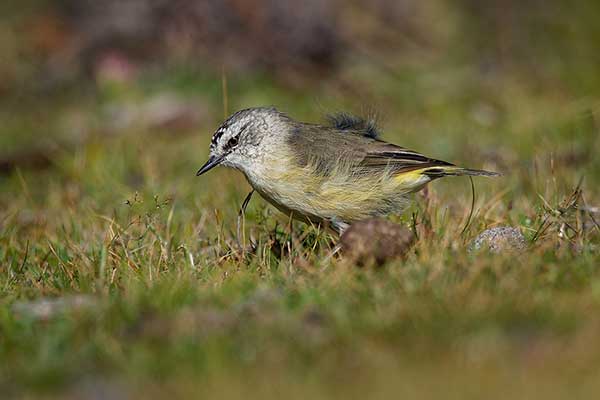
x,y
500,239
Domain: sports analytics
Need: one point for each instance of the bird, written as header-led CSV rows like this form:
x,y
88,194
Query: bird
x,y
333,174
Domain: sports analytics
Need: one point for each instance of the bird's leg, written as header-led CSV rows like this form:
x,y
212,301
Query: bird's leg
x,y
338,225
241,215
245,203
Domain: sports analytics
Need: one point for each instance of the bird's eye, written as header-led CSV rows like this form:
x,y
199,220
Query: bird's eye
x,y
232,142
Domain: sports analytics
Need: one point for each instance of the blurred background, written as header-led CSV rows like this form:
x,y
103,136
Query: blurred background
x,y
73,71
106,113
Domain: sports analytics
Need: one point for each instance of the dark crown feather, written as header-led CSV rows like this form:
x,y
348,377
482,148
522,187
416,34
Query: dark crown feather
x,y
348,122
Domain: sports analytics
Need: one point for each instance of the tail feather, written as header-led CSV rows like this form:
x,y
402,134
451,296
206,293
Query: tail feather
x,y
438,172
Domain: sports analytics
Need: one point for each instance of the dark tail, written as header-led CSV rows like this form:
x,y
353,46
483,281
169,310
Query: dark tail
x,y
438,172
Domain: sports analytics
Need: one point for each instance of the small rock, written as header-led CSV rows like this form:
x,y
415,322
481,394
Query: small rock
x,y
376,241
499,240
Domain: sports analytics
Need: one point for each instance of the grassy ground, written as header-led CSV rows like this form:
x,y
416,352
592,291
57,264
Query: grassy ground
x,y
160,299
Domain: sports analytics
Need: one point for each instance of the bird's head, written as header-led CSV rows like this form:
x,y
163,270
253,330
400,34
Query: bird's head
x,y
239,142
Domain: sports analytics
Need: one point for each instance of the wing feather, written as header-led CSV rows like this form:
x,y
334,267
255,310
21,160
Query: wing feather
x,y
399,159
326,148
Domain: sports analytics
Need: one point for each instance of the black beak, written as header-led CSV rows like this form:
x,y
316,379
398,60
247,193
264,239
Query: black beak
x,y
210,164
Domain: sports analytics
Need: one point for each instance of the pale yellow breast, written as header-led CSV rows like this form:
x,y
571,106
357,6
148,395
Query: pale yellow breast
x,y
340,194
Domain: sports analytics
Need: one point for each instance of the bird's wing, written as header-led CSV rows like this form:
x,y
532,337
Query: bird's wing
x,y
328,148
381,155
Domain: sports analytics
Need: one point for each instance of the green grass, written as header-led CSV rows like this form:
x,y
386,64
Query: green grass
x,y
180,304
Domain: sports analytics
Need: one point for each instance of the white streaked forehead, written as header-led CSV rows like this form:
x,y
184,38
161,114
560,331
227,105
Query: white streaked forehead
x,y
238,120
217,136
226,131
231,124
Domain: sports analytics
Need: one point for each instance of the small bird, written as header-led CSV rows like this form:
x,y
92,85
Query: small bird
x,y
334,174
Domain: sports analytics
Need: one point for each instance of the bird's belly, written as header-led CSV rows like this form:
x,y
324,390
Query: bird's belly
x,y
292,199
314,199
299,213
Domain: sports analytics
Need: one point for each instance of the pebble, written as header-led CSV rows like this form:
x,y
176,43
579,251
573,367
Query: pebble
x,y
376,241
500,239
